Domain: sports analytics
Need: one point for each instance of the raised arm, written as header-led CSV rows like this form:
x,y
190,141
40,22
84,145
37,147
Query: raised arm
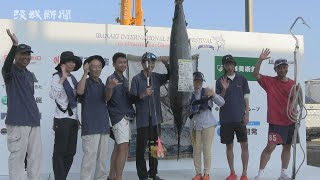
x,y
57,83
6,69
215,98
82,83
263,56
110,85
225,85
165,77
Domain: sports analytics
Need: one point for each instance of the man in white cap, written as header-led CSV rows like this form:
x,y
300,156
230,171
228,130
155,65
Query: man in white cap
x,y
281,128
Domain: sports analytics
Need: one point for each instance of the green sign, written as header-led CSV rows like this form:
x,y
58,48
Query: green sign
x,y
4,100
245,66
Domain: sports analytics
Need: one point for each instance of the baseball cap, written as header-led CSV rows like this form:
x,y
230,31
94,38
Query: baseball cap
x,y
148,56
198,76
23,48
279,62
228,58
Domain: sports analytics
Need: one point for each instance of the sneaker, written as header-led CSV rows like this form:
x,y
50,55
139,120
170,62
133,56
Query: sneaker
x,y
232,176
197,177
257,178
206,177
284,176
244,178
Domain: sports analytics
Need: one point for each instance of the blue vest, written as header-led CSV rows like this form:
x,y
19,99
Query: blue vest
x,y
196,108
69,91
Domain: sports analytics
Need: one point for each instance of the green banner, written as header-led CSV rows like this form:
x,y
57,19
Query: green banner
x,y
245,66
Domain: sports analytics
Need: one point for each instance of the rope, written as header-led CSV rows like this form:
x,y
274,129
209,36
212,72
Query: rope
x,y
296,108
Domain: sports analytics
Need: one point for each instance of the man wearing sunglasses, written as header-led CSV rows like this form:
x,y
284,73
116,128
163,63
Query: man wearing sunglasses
x,y
146,96
281,128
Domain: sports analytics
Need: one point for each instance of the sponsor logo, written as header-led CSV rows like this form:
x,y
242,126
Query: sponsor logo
x,y
220,68
42,14
34,59
3,116
38,99
251,128
37,86
245,66
56,60
206,46
3,131
4,100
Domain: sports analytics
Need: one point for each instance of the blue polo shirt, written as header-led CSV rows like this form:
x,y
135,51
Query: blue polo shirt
x,y
94,112
234,108
22,109
119,104
138,86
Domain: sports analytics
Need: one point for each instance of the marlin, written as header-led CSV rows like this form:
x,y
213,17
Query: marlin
x,y
179,49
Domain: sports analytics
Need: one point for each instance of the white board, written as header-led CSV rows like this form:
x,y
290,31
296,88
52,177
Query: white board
x,y
49,39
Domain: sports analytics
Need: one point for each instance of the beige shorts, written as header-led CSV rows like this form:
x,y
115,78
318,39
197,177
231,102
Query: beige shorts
x,y
121,131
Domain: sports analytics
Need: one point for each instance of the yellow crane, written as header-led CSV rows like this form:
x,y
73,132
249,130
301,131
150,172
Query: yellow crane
x,y
125,13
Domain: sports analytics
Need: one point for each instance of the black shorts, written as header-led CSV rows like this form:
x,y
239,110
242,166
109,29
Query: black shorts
x,y
227,131
281,134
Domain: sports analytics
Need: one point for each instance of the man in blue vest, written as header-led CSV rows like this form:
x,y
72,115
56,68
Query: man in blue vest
x,y
23,117
203,125
94,119
66,124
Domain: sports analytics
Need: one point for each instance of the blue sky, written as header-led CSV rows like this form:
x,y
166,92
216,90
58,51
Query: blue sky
x,y
271,16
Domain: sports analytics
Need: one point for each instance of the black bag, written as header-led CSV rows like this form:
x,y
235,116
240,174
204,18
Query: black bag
x,y
111,134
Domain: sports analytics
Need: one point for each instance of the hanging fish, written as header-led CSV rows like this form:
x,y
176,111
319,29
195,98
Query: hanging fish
x,y
179,49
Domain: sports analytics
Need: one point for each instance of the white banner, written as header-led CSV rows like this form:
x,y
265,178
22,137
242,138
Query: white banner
x,y
49,39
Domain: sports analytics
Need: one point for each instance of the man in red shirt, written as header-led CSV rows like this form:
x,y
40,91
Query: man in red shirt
x,y
281,128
